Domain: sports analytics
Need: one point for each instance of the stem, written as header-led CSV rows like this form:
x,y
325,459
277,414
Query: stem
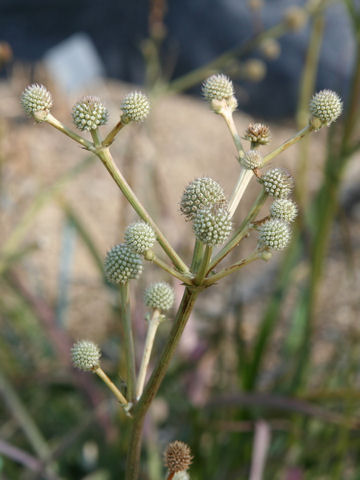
x,y
128,339
197,256
298,136
100,373
154,323
105,156
257,254
110,137
96,138
203,265
228,117
239,190
182,316
151,257
242,230
54,122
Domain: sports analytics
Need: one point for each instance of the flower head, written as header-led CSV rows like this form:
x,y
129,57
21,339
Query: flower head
x,y
140,237
218,87
160,295
252,159
200,193
85,355
177,457
135,107
277,182
274,234
326,105
89,113
284,209
36,99
258,134
212,225
122,264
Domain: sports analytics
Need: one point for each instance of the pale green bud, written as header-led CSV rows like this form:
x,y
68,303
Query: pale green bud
x,y
284,209
135,107
36,98
212,225
200,193
277,183
85,355
140,237
326,105
122,264
160,295
217,87
89,113
274,234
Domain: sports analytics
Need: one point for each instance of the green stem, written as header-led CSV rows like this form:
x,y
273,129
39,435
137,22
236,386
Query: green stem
x,y
128,340
153,324
197,256
256,255
203,265
105,156
239,190
298,136
242,230
182,316
110,137
101,374
54,122
150,256
229,119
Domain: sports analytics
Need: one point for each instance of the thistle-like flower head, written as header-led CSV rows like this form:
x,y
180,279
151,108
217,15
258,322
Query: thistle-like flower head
x,y
284,209
200,193
140,237
122,264
36,98
89,113
85,355
258,134
135,107
160,295
277,182
326,105
177,457
274,234
212,225
252,159
217,87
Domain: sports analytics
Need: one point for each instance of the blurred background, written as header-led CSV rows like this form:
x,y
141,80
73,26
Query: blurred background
x,y
265,383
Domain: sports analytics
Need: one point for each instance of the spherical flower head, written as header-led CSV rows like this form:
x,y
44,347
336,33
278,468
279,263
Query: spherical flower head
x,y
295,18
201,193
36,100
122,264
85,355
274,234
270,48
140,237
218,87
277,182
212,225
177,457
252,159
89,113
284,209
257,134
135,107
160,295
326,106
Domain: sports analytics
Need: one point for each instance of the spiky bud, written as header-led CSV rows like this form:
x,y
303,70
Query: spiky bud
x,y
135,107
284,209
212,225
277,182
274,234
295,18
326,105
200,193
85,355
122,264
217,87
252,159
270,48
257,134
89,113
140,237
253,70
159,295
177,457
36,100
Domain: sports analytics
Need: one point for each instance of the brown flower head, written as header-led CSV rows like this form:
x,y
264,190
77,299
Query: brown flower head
x,y
177,456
